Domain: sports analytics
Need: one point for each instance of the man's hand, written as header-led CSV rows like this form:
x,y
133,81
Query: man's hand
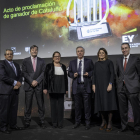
x,y
16,87
75,75
93,88
66,92
45,91
18,84
34,83
86,74
109,88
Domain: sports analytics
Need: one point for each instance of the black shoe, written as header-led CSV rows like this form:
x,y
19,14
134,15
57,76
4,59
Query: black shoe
x,y
76,125
17,128
123,130
27,126
5,131
43,126
136,132
54,126
60,127
87,127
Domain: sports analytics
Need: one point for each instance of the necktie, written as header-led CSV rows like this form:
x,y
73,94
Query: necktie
x,y
125,63
34,65
12,65
79,71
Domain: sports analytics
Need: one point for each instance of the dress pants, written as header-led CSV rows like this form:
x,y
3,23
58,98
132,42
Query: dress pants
x,y
123,97
57,108
8,110
28,105
82,94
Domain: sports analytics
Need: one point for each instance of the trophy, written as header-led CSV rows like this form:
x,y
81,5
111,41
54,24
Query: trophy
x,y
89,22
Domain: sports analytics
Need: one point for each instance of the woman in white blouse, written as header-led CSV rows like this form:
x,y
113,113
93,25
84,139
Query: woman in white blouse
x,y
56,84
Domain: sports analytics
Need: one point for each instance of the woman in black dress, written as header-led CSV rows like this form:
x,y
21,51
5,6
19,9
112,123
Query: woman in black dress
x,y
56,84
103,87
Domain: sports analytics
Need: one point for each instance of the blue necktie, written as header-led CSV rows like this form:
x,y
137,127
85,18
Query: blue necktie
x,y
79,71
12,65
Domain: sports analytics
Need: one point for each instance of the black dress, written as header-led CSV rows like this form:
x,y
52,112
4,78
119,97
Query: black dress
x,y
103,75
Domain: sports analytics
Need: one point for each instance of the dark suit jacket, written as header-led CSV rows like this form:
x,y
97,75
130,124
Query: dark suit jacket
x,y
88,67
7,77
29,74
131,75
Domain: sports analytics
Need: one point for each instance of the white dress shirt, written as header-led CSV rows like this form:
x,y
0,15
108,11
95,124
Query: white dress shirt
x,y
82,68
59,71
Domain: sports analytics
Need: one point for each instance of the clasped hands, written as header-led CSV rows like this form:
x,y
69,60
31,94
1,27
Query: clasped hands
x,y
18,85
34,83
76,74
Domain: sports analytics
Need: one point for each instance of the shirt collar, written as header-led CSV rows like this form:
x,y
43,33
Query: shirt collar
x,y
9,61
33,57
80,59
127,56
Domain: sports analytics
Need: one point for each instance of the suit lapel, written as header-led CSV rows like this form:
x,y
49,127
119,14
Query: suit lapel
x,y
84,65
30,62
76,68
121,62
37,65
8,65
128,63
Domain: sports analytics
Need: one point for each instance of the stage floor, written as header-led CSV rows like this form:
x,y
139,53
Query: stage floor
x,y
34,132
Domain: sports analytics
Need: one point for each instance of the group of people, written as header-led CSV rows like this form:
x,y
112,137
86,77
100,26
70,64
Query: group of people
x,y
87,77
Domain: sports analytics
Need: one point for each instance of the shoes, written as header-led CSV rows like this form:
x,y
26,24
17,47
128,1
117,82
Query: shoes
x,y
43,126
136,132
108,129
17,128
54,126
76,125
5,131
103,127
27,125
60,127
87,127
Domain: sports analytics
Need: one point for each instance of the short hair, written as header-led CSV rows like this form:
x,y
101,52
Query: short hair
x,y
80,47
106,53
125,44
55,53
33,46
8,50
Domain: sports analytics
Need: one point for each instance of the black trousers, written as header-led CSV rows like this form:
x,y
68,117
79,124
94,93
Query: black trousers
x,y
86,97
123,97
8,110
57,108
28,105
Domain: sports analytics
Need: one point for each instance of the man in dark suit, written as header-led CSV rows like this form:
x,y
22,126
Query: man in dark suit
x,y
128,82
33,71
81,70
10,82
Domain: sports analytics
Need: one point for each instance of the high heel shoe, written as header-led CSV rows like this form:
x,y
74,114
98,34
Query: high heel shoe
x,y
108,129
103,127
